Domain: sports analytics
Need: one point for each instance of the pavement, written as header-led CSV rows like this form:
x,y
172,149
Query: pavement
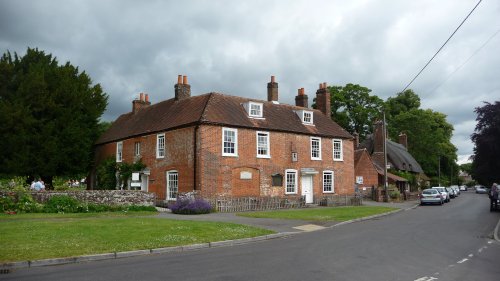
x,y
282,228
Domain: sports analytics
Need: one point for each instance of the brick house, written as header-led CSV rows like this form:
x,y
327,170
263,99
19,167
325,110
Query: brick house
x,y
398,158
219,144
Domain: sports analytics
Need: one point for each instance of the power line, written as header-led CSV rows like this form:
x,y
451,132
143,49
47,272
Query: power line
x,y
442,46
466,61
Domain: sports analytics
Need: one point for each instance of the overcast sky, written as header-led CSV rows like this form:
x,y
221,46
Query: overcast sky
x,y
233,47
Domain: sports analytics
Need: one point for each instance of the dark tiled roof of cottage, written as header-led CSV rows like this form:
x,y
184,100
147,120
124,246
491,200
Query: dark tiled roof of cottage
x,y
220,109
396,154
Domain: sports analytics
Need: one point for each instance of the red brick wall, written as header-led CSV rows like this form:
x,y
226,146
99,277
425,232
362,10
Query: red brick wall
x,y
217,172
221,175
366,169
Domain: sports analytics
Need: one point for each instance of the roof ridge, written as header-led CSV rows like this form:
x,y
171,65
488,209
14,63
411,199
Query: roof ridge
x,y
204,110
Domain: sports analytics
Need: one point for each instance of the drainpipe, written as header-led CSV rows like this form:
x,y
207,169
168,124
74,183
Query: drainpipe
x,y
195,156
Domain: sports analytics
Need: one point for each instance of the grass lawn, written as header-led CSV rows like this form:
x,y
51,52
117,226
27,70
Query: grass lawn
x,y
40,236
322,213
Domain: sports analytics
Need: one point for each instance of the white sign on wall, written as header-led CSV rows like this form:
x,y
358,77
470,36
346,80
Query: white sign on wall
x,y
359,179
245,175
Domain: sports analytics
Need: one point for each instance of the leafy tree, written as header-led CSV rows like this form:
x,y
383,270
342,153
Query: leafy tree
x,y
49,116
466,167
354,108
486,138
429,140
403,102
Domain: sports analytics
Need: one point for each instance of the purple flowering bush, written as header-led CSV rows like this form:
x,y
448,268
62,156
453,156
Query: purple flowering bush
x,y
190,206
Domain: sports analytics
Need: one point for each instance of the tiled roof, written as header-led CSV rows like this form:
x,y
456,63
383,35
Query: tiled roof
x,y
220,109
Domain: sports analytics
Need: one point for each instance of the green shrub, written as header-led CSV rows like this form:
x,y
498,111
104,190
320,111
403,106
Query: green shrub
x,y
395,194
62,204
19,200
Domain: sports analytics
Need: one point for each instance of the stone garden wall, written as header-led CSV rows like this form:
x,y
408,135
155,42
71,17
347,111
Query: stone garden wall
x,y
109,197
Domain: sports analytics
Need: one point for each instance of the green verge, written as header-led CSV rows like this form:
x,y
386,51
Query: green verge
x,y
29,238
321,214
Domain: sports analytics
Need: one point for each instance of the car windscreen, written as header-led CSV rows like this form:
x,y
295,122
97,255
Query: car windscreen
x,y
429,191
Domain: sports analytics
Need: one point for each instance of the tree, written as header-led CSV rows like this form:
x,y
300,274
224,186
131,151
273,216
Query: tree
x,y
49,115
429,140
403,102
354,108
486,138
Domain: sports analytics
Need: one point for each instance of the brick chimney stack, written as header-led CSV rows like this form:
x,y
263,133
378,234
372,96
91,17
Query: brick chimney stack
x,y
356,140
301,99
140,103
323,100
272,90
378,136
403,139
182,88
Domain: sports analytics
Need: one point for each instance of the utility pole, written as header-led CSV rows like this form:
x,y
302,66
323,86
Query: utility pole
x,y
385,161
439,170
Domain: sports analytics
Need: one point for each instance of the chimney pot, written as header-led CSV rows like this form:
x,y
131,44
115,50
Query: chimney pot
x,y
141,96
179,79
147,98
272,79
301,99
184,80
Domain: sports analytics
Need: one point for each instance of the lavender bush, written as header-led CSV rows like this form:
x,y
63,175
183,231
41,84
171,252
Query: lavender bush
x,y
187,205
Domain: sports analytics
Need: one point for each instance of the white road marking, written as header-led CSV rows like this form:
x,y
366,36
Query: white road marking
x,y
462,261
471,255
426,278
489,242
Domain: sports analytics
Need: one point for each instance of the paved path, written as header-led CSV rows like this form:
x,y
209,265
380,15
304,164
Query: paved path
x,y
278,225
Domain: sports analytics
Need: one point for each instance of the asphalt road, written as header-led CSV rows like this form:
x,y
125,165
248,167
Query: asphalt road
x,y
450,242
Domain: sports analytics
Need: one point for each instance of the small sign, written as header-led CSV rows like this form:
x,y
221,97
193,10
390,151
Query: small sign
x,y
308,171
135,184
245,175
359,179
135,177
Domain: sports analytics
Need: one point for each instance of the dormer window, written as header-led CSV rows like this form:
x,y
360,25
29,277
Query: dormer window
x,y
305,116
254,109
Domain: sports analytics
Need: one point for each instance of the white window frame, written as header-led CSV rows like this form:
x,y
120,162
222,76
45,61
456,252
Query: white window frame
x,y
338,153
137,149
310,113
235,131
260,109
119,151
267,144
295,178
172,194
331,174
302,115
313,139
160,146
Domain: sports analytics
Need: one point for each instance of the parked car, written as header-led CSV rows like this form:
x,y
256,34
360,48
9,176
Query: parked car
x,y
451,192
481,189
446,195
463,188
431,196
456,188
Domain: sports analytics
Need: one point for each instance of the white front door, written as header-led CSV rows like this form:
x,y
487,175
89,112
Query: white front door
x,y
307,188
144,182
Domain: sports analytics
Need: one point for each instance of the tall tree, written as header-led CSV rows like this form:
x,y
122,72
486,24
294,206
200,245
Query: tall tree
x,y
429,140
402,102
486,138
49,115
354,108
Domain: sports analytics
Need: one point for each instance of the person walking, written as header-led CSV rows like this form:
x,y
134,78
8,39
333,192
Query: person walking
x,y
494,196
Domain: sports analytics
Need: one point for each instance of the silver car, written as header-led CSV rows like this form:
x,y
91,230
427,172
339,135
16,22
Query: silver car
x,y
446,195
431,196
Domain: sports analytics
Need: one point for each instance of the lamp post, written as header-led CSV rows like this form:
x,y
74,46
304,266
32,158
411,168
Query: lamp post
x,y
439,170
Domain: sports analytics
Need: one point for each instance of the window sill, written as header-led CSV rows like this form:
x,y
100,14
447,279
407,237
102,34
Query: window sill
x,y
264,156
230,155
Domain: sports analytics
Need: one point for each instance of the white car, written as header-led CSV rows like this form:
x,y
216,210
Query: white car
x,y
443,191
463,188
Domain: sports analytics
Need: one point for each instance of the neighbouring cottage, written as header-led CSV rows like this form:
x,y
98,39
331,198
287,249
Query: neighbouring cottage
x,y
370,159
218,144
